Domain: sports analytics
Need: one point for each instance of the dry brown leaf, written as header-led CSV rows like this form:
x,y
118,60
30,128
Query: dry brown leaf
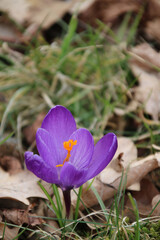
x,y
137,171
152,16
129,150
40,12
17,10
148,91
10,164
10,233
156,200
152,29
51,226
143,64
19,216
114,170
9,33
30,131
108,11
134,187
20,186
10,157
9,148
145,56
144,199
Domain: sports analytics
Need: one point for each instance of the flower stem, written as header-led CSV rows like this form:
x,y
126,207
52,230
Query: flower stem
x,y
67,200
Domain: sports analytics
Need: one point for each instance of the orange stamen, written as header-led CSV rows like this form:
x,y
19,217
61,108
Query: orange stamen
x,y
68,146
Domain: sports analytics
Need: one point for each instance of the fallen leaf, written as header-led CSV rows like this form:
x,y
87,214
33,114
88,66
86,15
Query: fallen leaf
x,y
9,148
155,201
30,131
42,13
17,10
152,16
134,187
19,187
10,164
145,56
10,233
9,33
19,216
148,91
137,171
128,152
152,29
143,65
144,199
51,226
108,11
10,157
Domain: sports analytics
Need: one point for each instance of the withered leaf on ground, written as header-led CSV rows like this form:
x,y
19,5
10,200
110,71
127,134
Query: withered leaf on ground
x,y
10,164
108,11
125,155
144,199
137,171
10,157
143,65
19,216
112,12
30,131
129,150
43,13
20,186
156,201
10,233
145,57
8,32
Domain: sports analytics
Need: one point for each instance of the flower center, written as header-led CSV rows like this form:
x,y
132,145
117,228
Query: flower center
x,y
68,146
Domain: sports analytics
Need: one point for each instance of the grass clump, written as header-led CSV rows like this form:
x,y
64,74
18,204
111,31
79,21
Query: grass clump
x,y
86,78
90,76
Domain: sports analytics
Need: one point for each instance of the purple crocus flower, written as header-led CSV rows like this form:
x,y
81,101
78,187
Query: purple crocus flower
x,y
68,157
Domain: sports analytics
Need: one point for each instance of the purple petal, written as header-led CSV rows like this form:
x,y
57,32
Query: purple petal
x,y
42,170
60,124
47,148
103,154
70,176
82,152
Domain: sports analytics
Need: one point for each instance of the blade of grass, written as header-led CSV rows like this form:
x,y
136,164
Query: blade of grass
x,y
68,38
4,231
12,101
153,209
134,27
19,234
58,199
123,27
101,203
6,138
78,202
135,208
53,204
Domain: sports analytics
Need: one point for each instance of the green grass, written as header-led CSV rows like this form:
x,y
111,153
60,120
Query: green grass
x,y
85,77
90,76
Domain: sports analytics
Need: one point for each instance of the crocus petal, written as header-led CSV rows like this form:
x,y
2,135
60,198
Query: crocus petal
x,y
46,147
82,152
103,153
42,170
70,176
60,124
